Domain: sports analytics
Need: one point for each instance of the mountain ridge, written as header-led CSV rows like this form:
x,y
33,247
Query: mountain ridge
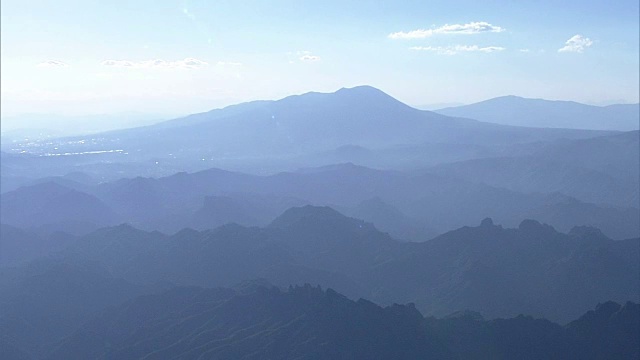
x,y
521,111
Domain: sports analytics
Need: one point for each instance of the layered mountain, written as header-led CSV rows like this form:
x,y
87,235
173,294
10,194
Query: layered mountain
x,y
390,219
409,205
52,204
598,170
18,246
421,203
303,130
307,322
44,302
474,272
531,268
518,111
362,116
499,272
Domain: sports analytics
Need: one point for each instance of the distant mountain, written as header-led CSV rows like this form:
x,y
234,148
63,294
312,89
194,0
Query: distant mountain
x,y
18,246
437,106
565,212
441,202
601,170
243,209
293,132
499,272
52,204
360,116
518,111
389,219
411,205
309,323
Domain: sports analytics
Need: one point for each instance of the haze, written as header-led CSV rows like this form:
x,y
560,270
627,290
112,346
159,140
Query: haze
x,y
178,57
285,180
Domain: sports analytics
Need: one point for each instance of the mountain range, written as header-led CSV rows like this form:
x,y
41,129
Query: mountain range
x,y
213,235
298,131
519,111
499,272
254,319
310,323
411,206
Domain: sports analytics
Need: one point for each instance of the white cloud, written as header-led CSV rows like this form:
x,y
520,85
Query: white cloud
x,y
188,63
455,49
577,43
524,50
52,64
467,29
307,56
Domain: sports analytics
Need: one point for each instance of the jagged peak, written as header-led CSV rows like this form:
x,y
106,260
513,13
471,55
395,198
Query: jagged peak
x,y
487,222
530,225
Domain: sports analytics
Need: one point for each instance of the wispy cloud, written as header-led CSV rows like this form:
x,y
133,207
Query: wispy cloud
x,y
577,44
524,50
455,49
52,64
228,63
307,56
467,29
188,63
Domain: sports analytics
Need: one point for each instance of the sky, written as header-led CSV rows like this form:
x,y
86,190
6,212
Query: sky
x,y
179,57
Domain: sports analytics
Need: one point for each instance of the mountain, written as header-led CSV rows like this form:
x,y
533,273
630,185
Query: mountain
x,y
307,322
440,202
111,276
503,272
42,303
268,136
389,219
241,208
410,205
52,204
498,272
601,170
565,212
18,246
362,116
518,111
610,331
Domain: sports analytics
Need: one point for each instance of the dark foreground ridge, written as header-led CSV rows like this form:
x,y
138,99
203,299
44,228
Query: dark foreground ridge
x,y
309,323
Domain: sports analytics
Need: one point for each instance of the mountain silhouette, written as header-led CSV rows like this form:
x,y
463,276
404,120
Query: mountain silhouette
x,y
307,322
280,133
496,271
50,203
601,170
514,110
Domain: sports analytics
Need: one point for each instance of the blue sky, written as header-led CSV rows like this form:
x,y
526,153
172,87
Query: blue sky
x,y
175,57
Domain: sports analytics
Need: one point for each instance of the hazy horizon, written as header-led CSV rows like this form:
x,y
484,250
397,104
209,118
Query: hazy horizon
x,y
429,106
193,179
185,57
